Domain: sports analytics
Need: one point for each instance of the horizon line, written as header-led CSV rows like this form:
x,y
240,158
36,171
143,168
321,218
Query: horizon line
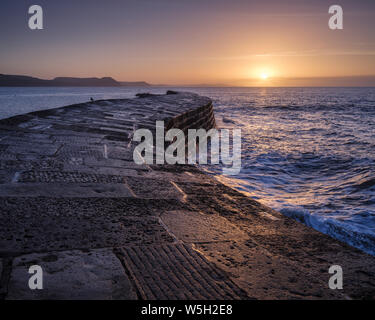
x,y
246,82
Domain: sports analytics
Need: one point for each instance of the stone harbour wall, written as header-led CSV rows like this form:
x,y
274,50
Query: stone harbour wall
x,y
73,201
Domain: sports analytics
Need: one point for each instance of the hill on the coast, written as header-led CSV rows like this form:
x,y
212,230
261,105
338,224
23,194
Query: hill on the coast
x,y
27,81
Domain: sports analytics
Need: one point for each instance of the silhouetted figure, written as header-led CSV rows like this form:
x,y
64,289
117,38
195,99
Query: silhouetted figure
x,y
91,99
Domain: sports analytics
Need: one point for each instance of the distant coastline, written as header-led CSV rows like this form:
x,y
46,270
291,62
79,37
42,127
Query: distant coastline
x,y
7,80
27,81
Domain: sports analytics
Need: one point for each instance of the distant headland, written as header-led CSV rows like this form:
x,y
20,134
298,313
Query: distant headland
x,y
27,81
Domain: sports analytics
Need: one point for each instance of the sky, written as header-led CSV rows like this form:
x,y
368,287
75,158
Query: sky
x,y
215,42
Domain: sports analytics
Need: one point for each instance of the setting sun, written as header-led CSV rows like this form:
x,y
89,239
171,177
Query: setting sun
x,y
264,76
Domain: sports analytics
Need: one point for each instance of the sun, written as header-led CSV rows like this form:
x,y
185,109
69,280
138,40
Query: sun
x,y
265,75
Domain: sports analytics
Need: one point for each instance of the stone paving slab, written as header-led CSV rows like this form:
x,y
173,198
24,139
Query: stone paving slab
x,y
43,150
104,171
120,153
21,165
176,272
74,140
112,163
72,151
164,176
65,190
192,226
67,177
46,224
153,189
94,274
264,276
202,188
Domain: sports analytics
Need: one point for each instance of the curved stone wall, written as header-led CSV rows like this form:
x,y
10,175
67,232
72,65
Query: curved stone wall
x,y
201,117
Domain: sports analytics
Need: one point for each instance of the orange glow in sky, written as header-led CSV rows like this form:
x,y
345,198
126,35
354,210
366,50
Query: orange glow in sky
x,y
244,43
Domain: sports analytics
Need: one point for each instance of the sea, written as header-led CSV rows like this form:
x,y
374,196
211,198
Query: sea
x,y
306,152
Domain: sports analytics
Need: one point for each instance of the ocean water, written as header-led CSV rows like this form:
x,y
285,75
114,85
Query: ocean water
x,y
307,152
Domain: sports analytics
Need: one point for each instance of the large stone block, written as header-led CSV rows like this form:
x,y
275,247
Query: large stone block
x,y
176,272
48,224
191,226
94,274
